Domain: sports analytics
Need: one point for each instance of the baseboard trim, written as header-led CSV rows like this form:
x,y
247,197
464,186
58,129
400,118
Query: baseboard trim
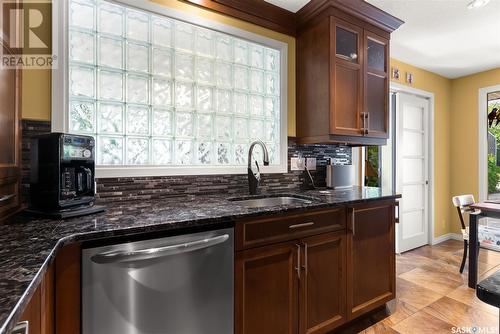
x,y
447,236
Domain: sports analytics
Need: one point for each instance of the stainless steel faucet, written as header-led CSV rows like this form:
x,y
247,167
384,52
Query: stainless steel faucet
x,y
254,178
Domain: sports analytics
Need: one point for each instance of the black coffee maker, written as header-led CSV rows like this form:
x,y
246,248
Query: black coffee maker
x,y
63,175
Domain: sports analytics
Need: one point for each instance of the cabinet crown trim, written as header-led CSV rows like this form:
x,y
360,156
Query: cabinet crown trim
x,y
357,8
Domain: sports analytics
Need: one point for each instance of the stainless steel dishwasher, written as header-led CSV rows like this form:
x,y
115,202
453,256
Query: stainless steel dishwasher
x,y
175,285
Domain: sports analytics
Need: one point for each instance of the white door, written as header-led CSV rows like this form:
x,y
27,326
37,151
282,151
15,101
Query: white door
x,y
412,151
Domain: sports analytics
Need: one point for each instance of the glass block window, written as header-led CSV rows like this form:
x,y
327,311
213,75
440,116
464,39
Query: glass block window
x,y
157,91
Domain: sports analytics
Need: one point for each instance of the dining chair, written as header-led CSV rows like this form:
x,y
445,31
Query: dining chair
x,y
462,203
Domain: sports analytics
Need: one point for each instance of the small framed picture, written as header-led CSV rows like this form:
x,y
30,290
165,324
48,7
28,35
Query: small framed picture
x,y
409,78
395,73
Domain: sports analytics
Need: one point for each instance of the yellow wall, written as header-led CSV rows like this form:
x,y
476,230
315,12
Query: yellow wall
x,y
441,87
37,83
455,136
36,102
464,133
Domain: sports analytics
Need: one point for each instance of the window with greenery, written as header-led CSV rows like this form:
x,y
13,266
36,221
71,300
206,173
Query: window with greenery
x,y
157,91
494,145
373,175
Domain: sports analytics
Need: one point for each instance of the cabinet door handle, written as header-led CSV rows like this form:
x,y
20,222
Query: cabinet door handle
x,y
6,197
21,327
396,206
300,225
298,268
306,250
353,222
367,123
362,123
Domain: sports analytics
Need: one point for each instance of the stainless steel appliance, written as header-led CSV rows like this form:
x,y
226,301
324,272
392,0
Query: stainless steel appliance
x,y
339,176
174,285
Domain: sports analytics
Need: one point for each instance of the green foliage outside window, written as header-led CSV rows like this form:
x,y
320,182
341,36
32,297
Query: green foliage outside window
x,y
493,174
493,169
372,171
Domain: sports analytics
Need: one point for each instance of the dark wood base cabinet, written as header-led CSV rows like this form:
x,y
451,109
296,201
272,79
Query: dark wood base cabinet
x,y
271,307
371,259
38,314
54,307
322,286
315,283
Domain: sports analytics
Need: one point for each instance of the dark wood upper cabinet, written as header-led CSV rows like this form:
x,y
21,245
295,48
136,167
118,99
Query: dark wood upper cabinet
x,y
10,140
376,104
370,257
342,74
347,78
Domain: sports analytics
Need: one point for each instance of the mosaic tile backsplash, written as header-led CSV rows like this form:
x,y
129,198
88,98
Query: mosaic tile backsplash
x,y
133,188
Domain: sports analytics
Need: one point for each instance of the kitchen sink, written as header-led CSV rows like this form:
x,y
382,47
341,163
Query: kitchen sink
x,y
270,201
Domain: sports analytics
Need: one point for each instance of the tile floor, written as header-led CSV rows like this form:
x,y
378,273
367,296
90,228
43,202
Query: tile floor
x,y
433,297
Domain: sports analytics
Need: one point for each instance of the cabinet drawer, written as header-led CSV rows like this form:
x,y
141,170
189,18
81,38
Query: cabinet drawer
x,y
9,197
258,232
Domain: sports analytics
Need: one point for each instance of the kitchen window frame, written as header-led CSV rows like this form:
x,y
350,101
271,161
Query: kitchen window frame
x,y
60,97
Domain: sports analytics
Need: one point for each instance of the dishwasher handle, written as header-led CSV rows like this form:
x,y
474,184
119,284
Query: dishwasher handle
x,y
156,252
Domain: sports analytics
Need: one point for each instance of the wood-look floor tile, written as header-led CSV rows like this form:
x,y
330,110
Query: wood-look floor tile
x,y
486,256
440,281
422,322
398,310
414,295
468,296
449,245
406,262
379,328
436,251
454,260
461,315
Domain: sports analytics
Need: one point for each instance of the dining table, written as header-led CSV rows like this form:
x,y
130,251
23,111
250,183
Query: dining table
x,y
489,209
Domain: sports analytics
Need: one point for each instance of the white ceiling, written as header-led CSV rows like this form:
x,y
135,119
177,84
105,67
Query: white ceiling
x,y
291,5
441,36
445,37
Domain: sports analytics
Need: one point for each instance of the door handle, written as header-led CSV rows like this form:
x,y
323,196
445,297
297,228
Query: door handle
x,y
363,127
367,123
6,197
298,268
353,222
300,225
306,250
156,252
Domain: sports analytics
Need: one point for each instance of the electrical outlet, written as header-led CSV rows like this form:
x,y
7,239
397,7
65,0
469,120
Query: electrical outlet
x,y
311,163
297,163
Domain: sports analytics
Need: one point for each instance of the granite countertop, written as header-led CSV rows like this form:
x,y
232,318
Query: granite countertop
x,y
28,245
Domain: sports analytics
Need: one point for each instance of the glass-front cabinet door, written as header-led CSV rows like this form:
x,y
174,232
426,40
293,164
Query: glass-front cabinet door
x,y
347,79
376,106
